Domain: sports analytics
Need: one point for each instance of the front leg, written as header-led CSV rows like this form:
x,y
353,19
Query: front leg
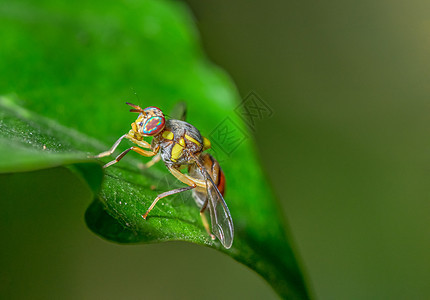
x,y
135,149
141,143
112,149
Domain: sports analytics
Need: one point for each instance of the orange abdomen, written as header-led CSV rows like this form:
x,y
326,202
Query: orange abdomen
x,y
221,182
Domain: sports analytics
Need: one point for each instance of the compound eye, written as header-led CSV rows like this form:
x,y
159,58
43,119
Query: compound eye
x,y
153,126
155,123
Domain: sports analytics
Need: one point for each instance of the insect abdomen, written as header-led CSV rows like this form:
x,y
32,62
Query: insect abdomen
x,y
213,168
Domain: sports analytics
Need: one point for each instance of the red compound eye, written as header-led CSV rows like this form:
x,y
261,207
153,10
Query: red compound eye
x,y
155,122
153,126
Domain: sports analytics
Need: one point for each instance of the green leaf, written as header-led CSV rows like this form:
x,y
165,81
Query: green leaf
x,y
73,67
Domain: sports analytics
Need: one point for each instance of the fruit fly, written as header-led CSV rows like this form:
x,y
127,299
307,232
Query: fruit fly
x,y
180,144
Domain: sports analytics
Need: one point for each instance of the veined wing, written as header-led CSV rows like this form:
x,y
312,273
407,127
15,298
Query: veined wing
x,y
221,221
179,111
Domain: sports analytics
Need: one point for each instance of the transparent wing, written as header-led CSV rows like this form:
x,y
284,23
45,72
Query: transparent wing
x,y
221,221
179,111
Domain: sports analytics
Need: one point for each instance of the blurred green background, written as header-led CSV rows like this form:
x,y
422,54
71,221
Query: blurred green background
x,y
346,150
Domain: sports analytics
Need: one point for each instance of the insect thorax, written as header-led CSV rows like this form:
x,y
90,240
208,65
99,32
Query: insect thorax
x,y
178,140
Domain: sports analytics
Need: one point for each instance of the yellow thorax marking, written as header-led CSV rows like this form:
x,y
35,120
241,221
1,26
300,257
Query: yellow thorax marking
x,y
206,143
168,135
182,142
176,152
192,140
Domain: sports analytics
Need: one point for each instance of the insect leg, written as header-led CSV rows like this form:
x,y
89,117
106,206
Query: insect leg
x,y
142,143
199,184
112,149
187,179
153,161
165,194
205,220
135,149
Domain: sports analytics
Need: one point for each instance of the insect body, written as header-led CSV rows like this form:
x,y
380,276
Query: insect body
x,y
179,144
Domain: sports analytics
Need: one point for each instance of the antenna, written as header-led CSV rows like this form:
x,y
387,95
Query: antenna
x,y
135,93
136,108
